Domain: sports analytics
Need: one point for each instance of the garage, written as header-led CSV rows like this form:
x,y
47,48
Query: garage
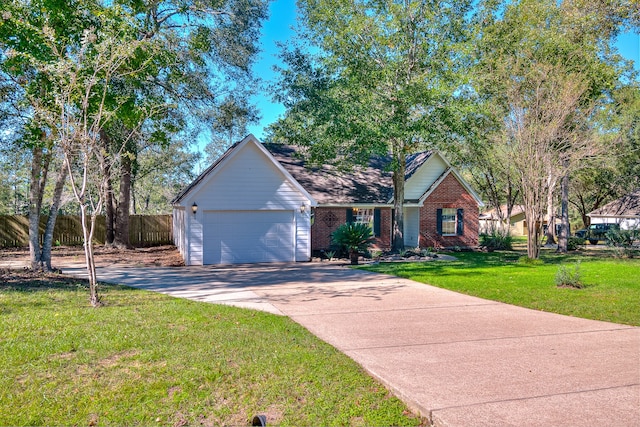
x,y
236,237
244,208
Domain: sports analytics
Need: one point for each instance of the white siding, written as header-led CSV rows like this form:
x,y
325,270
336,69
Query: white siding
x,y
424,177
303,235
179,229
411,227
246,182
194,230
625,223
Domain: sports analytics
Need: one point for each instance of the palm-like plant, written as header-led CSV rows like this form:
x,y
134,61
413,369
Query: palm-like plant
x,y
354,237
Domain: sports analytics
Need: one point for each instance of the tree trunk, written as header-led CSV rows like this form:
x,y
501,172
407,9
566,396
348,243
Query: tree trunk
x,y
353,257
398,201
87,233
109,203
109,214
563,239
533,234
45,255
124,204
551,217
39,170
133,196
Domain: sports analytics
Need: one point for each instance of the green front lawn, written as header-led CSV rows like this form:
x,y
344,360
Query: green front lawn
x,y
149,359
611,292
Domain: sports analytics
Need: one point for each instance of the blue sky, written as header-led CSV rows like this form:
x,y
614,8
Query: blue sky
x,y
278,29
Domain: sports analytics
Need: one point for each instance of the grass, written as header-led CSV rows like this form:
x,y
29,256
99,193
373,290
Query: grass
x,y
149,359
611,289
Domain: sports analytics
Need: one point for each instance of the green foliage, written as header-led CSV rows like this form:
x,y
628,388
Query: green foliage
x,y
496,240
569,277
623,241
542,65
149,359
574,243
622,238
354,237
330,254
375,254
374,78
612,295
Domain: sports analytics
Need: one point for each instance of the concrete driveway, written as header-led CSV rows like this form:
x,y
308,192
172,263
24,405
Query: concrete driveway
x,y
458,360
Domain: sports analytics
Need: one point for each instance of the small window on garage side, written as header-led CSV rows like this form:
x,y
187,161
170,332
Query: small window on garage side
x,y
450,222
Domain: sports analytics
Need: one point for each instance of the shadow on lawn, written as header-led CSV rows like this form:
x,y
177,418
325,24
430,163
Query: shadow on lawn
x,y
37,281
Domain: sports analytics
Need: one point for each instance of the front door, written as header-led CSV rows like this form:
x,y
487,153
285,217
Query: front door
x,y
411,227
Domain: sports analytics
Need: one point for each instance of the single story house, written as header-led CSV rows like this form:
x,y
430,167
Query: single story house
x,y
260,203
624,211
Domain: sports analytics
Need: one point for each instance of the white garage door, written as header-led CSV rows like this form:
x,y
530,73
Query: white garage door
x,y
234,237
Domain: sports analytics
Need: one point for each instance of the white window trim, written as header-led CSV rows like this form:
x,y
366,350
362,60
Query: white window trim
x,y
453,215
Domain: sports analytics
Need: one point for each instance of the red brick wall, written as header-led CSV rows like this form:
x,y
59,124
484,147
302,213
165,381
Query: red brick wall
x,y
386,219
449,194
326,220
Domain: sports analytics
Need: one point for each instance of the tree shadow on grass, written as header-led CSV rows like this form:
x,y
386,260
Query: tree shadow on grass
x,y
37,281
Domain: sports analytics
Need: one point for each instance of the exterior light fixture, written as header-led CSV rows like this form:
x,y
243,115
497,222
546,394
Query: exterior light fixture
x,y
194,208
303,208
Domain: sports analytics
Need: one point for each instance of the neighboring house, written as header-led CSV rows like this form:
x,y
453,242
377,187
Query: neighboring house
x,y
259,203
624,211
489,221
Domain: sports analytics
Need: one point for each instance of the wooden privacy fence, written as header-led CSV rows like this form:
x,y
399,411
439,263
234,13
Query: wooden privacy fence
x,y
144,230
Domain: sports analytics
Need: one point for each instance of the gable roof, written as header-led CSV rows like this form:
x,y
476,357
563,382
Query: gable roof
x,y
328,185
492,214
227,156
627,206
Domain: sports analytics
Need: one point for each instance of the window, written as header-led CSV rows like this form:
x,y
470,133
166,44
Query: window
x,y
363,216
368,216
450,222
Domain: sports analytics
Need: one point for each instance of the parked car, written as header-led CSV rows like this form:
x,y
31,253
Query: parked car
x,y
596,232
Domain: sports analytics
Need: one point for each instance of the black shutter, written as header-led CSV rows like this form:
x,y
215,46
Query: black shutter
x,y
460,219
349,215
376,222
439,221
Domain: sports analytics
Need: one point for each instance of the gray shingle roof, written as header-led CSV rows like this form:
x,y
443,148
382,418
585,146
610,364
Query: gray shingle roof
x,y
625,206
329,185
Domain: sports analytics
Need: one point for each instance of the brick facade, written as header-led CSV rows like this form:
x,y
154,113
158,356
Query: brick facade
x,y
326,220
449,194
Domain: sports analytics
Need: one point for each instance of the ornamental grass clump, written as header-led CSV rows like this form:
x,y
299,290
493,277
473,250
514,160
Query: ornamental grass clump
x,y
495,241
569,277
354,238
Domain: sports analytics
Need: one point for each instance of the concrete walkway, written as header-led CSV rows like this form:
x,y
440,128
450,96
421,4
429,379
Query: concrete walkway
x,y
458,360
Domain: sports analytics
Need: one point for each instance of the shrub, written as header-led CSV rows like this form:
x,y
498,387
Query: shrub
x,y
569,277
622,241
575,242
496,240
376,254
354,237
622,238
